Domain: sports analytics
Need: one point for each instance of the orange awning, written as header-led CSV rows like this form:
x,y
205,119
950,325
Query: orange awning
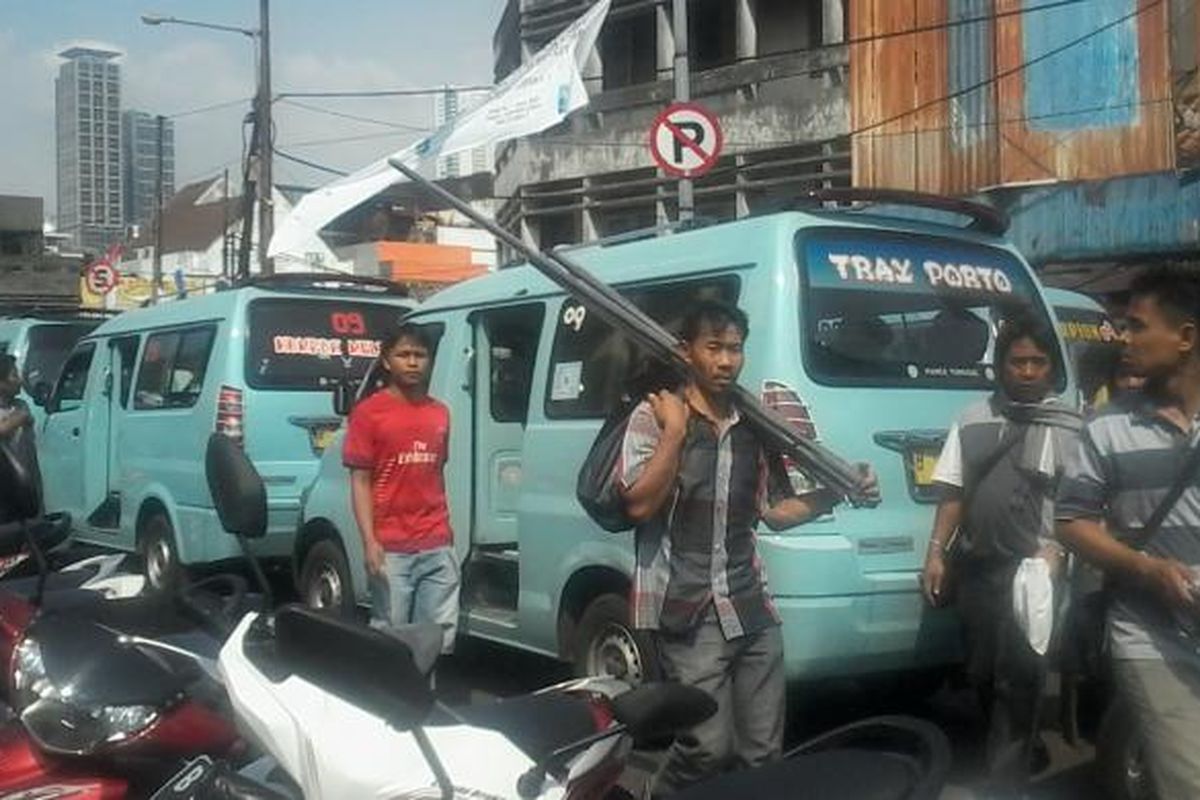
x,y
427,263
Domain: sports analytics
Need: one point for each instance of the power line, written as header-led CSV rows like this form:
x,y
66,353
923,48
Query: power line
x,y
391,93
344,139
356,117
311,164
203,109
1140,9
932,28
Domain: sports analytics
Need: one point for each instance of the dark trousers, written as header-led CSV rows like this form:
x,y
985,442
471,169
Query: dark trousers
x,y
746,677
1006,672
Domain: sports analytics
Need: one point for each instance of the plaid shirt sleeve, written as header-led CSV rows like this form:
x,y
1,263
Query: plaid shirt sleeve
x,y
1087,481
641,440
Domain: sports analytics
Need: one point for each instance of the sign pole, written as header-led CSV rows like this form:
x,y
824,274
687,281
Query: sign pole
x,y
683,94
156,269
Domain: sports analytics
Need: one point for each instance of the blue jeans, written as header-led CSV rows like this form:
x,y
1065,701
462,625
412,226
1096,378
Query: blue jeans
x,y
418,588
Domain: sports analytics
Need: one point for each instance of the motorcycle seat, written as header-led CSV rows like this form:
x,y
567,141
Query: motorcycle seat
x,y
538,724
143,615
849,772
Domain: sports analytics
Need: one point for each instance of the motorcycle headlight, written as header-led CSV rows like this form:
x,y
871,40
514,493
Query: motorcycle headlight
x,y
29,679
56,721
63,727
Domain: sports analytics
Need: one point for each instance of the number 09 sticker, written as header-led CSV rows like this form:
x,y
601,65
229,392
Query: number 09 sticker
x,y
573,317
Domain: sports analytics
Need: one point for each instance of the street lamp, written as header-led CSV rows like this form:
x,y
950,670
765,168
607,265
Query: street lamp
x,y
262,110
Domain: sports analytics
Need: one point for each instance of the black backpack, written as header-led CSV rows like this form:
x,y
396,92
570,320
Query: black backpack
x,y
598,487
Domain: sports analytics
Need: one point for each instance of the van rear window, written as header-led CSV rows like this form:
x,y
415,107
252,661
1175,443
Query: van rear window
x,y
47,349
889,309
307,344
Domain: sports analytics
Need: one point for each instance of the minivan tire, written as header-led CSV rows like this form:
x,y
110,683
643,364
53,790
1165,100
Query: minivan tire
x,y
1120,757
160,558
325,583
606,643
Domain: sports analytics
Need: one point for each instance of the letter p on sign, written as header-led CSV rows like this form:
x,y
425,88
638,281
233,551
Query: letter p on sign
x,y
686,140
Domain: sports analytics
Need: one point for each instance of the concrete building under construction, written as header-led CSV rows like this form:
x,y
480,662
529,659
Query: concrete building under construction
x,y
774,71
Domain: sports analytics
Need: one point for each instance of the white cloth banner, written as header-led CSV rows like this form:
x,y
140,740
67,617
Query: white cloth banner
x,y
533,98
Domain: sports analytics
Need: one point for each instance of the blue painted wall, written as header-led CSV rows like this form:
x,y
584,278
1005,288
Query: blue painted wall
x,y
1105,220
1061,91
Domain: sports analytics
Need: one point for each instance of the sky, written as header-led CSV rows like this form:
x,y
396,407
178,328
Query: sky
x,y
316,45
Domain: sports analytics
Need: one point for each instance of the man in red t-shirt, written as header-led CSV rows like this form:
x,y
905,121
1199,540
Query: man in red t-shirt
x,y
395,449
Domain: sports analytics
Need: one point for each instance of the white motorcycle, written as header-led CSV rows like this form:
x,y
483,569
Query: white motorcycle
x,y
347,711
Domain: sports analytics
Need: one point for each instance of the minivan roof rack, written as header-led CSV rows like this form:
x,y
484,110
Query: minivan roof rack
x,y
678,226
323,280
986,218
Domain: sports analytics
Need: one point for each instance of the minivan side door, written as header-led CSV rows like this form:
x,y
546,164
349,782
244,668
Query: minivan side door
x,y
506,342
66,462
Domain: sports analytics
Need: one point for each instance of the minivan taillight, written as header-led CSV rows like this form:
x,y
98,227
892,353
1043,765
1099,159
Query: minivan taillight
x,y
782,399
230,413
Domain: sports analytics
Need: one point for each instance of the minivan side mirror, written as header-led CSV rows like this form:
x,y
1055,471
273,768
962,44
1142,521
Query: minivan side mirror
x,y
237,489
343,398
40,393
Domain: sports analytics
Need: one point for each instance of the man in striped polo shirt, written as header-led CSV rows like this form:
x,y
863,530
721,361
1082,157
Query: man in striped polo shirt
x,y
1127,461
697,481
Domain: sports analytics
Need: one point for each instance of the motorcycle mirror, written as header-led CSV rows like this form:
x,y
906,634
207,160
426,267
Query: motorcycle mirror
x,y
659,710
40,393
237,489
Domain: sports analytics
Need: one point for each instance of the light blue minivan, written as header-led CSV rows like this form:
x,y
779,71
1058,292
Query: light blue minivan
x,y
868,331
122,446
40,343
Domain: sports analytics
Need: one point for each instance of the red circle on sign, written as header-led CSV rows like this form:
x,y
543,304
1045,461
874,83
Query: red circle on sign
x,y
691,113
101,278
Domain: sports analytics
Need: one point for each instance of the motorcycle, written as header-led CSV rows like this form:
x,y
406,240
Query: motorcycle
x,y
97,718
347,711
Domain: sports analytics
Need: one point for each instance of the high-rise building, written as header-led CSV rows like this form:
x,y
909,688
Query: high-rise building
x,y
88,130
139,171
447,105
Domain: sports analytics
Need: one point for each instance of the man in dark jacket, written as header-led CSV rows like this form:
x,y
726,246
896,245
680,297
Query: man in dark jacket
x,y
16,426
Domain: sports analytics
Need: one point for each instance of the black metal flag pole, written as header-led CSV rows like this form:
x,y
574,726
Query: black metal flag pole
x,y
776,432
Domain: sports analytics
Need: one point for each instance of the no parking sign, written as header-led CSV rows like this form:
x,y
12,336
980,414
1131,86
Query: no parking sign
x,y
686,140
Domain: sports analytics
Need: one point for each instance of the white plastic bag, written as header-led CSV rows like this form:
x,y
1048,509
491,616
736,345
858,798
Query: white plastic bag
x,y
1033,602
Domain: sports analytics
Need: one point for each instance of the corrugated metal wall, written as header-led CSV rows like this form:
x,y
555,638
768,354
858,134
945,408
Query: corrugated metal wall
x,y
954,95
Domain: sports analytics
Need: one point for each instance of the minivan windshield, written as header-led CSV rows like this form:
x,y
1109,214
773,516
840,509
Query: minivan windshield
x,y
890,309
47,348
304,344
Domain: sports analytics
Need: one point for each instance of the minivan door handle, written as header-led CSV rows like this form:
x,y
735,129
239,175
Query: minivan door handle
x,y
75,432
901,441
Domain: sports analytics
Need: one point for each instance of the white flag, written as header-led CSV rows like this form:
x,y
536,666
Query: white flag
x,y
533,98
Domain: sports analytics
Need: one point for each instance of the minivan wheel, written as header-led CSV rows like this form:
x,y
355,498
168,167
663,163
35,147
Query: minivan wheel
x,y
160,560
325,579
1120,757
607,644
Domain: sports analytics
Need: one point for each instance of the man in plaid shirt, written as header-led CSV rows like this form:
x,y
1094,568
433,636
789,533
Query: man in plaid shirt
x,y
697,481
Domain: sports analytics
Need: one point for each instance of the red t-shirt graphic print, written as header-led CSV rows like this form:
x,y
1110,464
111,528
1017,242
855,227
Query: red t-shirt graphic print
x,y
403,444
